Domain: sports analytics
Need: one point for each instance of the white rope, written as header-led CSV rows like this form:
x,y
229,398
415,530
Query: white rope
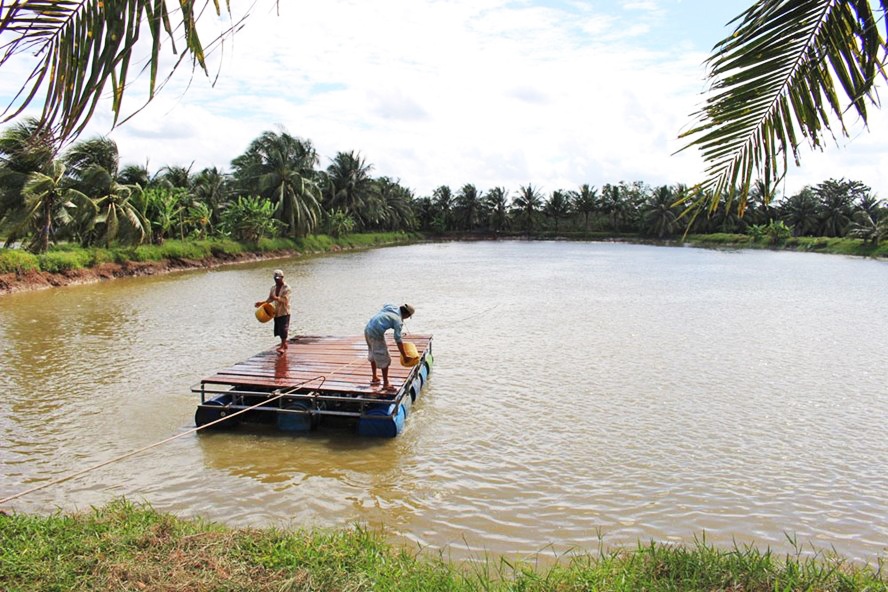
x,y
76,474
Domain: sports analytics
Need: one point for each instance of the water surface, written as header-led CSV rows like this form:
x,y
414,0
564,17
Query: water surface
x,y
582,392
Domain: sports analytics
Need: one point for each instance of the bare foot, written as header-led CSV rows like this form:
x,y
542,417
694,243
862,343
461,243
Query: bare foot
x,y
374,381
388,388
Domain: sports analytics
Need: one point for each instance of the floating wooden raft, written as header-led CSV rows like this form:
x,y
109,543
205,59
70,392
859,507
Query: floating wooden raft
x,y
320,379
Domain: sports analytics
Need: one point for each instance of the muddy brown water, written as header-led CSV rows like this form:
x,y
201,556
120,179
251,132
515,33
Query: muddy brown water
x,y
582,393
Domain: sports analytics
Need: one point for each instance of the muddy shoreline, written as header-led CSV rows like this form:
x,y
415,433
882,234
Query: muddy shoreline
x,y
29,281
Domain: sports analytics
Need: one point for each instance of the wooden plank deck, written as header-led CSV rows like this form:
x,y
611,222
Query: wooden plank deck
x,y
340,361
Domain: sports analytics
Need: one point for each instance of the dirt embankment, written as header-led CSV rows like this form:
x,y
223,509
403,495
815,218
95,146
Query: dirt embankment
x,y
39,280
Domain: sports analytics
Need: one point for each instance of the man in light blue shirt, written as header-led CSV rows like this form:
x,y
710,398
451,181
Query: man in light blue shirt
x,y
390,317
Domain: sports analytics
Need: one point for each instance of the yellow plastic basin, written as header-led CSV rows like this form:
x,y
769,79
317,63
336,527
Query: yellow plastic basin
x,y
265,312
412,355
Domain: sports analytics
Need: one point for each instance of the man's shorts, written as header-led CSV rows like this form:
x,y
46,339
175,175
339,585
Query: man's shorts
x,y
282,326
377,351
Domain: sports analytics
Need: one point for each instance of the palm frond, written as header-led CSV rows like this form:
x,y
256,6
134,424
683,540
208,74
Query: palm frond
x,y
774,86
79,46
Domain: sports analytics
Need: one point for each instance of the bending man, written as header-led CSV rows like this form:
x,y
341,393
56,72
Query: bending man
x,y
390,317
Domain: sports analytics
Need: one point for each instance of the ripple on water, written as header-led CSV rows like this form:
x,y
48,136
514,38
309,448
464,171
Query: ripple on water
x,y
582,392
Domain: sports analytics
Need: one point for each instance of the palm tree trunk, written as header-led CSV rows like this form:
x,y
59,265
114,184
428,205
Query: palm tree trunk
x,y
45,224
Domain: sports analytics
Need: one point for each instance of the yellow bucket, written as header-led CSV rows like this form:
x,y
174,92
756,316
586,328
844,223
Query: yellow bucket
x,y
265,312
412,356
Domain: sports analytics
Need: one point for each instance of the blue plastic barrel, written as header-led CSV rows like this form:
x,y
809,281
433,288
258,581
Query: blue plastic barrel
x,y
212,410
406,403
415,388
294,422
382,421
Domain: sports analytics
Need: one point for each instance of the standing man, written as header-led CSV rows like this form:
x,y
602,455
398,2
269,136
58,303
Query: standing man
x,y
390,317
280,297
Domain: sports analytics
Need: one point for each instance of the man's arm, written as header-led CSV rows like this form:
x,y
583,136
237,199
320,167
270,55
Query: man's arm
x,y
269,299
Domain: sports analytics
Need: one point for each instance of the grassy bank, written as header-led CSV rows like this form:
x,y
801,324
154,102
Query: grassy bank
x,y
69,257
130,547
833,246
66,258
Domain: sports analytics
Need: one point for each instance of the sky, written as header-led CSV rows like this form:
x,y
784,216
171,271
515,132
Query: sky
x,y
555,93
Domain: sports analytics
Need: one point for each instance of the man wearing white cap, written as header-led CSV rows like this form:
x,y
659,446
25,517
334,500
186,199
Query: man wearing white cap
x,y
390,317
280,297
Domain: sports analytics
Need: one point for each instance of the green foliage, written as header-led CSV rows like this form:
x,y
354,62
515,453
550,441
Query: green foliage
x,y
100,256
773,233
775,83
221,247
145,253
270,245
839,246
250,219
173,249
720,238
339,222
60,261
163,210
123,546
315,243
71,65
280,168
18,261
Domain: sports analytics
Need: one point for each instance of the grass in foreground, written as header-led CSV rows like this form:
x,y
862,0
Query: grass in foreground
x,y
132,547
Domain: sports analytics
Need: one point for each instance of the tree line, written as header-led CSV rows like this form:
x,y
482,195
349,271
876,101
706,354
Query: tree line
x,y
277,189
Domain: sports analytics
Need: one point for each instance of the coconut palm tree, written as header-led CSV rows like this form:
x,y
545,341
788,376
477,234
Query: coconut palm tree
x,y
98,152
114,214
527,204
48,200
134,174
836,204
443,200
615,204
870,204
281,167
424,210
799,212
174,177
496,202
760,204
659,214
78,48
391,205
211,188
585,202
558,206
116,218
774,86
869,229
24,149
348,184
468,206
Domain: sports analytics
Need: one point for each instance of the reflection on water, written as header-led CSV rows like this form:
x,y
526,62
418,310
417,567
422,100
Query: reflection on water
x,y
580,390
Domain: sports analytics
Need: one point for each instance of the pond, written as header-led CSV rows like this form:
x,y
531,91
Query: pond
x,y
583,394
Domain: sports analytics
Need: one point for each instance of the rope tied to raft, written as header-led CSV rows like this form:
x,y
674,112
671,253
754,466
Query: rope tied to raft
x,y
405,330
322,378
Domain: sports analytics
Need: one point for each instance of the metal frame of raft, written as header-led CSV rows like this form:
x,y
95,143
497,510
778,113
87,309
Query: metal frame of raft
x,y
320,380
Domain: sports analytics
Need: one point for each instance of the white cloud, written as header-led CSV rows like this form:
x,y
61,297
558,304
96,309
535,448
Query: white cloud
x,y
488,92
